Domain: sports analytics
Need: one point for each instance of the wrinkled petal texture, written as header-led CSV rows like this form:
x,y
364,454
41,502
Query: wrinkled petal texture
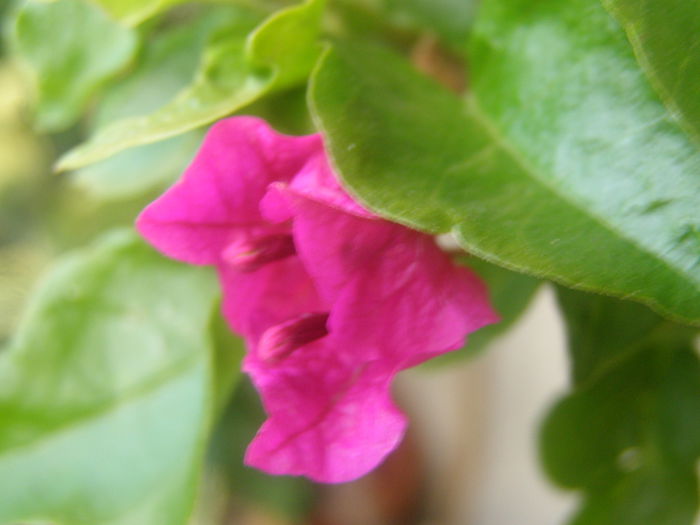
x,y
218,198
329,419
391,297
254,302
396,300
396,294
316,181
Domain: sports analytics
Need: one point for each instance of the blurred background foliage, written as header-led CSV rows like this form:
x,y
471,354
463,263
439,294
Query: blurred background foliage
x,y
104,102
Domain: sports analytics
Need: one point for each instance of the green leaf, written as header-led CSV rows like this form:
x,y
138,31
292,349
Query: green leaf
x,y
510,294
595,133
628,435
167,65
568,167
228,353
134,171
286,44
71,48
133,12
666,39
449,19
106,393
235,71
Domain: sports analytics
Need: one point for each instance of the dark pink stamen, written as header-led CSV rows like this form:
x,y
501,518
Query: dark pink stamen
x,y
281,340
249,255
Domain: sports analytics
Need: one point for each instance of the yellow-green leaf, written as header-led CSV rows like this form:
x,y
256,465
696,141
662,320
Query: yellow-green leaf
x,y
236,70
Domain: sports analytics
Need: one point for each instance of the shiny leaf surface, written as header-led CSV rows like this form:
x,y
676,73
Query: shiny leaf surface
x,y
587,182
665,35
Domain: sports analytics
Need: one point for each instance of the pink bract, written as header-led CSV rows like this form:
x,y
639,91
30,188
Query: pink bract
x,y
332,300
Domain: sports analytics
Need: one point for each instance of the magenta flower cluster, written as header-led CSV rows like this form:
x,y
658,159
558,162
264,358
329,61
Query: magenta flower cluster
x,y
332,300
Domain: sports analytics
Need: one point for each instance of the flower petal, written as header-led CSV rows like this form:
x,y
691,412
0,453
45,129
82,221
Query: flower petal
x,y
273,294
395,293
328,421
345,304
317,181
218,197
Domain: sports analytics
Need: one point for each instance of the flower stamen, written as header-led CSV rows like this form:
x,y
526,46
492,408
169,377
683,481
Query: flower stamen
x,y
279,341
250,255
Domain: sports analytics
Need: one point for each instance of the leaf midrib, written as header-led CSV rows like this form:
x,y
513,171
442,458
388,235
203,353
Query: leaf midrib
x,y
499,138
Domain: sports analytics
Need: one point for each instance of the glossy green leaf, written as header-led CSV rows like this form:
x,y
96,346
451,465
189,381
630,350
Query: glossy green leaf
x,y
568,166
106,392
235,71
665,35
628,435
510,294
594,132
71,48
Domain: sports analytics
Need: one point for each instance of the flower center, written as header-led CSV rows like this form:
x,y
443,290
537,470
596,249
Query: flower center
x,y
279,341
251,254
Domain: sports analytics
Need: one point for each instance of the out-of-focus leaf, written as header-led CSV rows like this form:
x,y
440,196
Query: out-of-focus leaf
x,y
450,20
286,496
167,64
169,61
21,151
228,352
133,12
628,435
286,44
71,48
20,263
568,167
665,35
287,112
139,169
510,294
106,392
235,71
5,9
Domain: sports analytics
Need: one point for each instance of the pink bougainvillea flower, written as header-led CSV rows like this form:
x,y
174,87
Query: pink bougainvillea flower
x,y
332,300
